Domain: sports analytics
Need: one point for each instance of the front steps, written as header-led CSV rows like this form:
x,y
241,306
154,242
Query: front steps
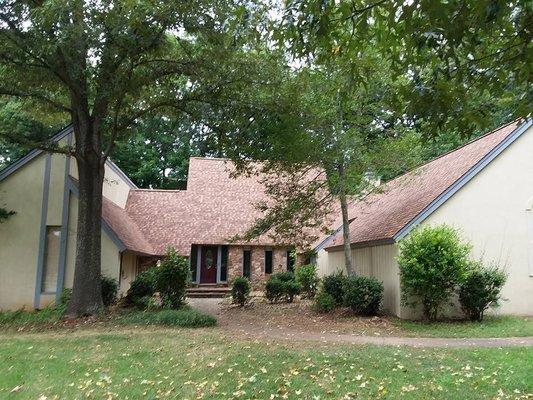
x,y
207,291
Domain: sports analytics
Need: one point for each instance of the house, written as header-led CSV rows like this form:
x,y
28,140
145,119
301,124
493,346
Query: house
x,y
37,246
484,189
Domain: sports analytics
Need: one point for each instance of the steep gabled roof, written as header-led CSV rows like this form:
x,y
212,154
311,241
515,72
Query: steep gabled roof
x,y
214,208
390,214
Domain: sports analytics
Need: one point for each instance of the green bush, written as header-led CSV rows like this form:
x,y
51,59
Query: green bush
x,y
433,261
324,302
184,317
171,280
142,286
334,286
109,290
240,291
307,278
363,294
480,290
282,286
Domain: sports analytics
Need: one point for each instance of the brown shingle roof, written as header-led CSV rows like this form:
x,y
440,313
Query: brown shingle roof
x,y
214,208
380,216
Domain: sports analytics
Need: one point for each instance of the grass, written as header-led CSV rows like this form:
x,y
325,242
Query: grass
x,y
154,363
50,318
491,326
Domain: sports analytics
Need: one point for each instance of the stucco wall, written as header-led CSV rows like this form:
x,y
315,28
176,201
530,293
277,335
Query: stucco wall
x,y
20,235
491,212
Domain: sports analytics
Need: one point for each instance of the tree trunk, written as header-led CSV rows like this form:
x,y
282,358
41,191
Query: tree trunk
x,y
345,222
86,296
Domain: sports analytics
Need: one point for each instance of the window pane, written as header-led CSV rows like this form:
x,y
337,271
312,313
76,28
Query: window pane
x,y
51,259
268,261
224,264
246,263
194,260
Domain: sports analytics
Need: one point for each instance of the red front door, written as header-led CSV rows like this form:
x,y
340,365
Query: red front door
x,y
208,266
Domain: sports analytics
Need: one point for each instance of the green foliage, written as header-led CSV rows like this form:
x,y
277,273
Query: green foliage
x,y
433,260
171,280
307,278
109,290
143,286
324,302
282,286
183,317
481,289
61,305
363,294
240,291
334,285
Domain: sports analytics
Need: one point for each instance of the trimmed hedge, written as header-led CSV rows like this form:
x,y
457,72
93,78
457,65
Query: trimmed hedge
x,y
334,286
240,291
363,294
307,278
324,302
282,286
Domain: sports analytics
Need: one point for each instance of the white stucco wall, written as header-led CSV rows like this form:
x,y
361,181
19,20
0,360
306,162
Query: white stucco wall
x,y
494,211
490,211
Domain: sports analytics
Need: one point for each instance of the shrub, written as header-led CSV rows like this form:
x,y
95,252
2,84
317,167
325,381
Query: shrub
x,y
432,260
282,286
363,294
109,290
240,291
480,290
143,286
307,278
274,289
334,286
184,317
172,279
324,302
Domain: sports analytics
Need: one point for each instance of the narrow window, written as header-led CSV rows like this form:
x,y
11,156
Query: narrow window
x,y
290,260
193,261
224,264
268,261
51,259
247,263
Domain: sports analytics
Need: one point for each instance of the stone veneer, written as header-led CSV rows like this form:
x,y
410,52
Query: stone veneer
x,y
258,276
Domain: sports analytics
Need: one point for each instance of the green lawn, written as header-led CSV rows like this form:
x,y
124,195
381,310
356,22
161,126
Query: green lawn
x,y
203,363
492,326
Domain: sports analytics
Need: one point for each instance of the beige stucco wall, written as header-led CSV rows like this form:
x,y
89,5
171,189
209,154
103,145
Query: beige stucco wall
x,y
115,188
22,192
491,212
19,235
377,261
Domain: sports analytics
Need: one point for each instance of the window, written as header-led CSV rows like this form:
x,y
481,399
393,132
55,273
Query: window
x,y
194,260
51,259
224,264
268,261
290,260
247,264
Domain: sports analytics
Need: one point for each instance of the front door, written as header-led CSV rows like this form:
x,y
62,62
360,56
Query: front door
x,y
208,266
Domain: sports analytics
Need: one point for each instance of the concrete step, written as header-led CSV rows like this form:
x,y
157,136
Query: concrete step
x,y
208,291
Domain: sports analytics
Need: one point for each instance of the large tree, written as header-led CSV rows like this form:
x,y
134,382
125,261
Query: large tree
x,y
457,52
108,64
